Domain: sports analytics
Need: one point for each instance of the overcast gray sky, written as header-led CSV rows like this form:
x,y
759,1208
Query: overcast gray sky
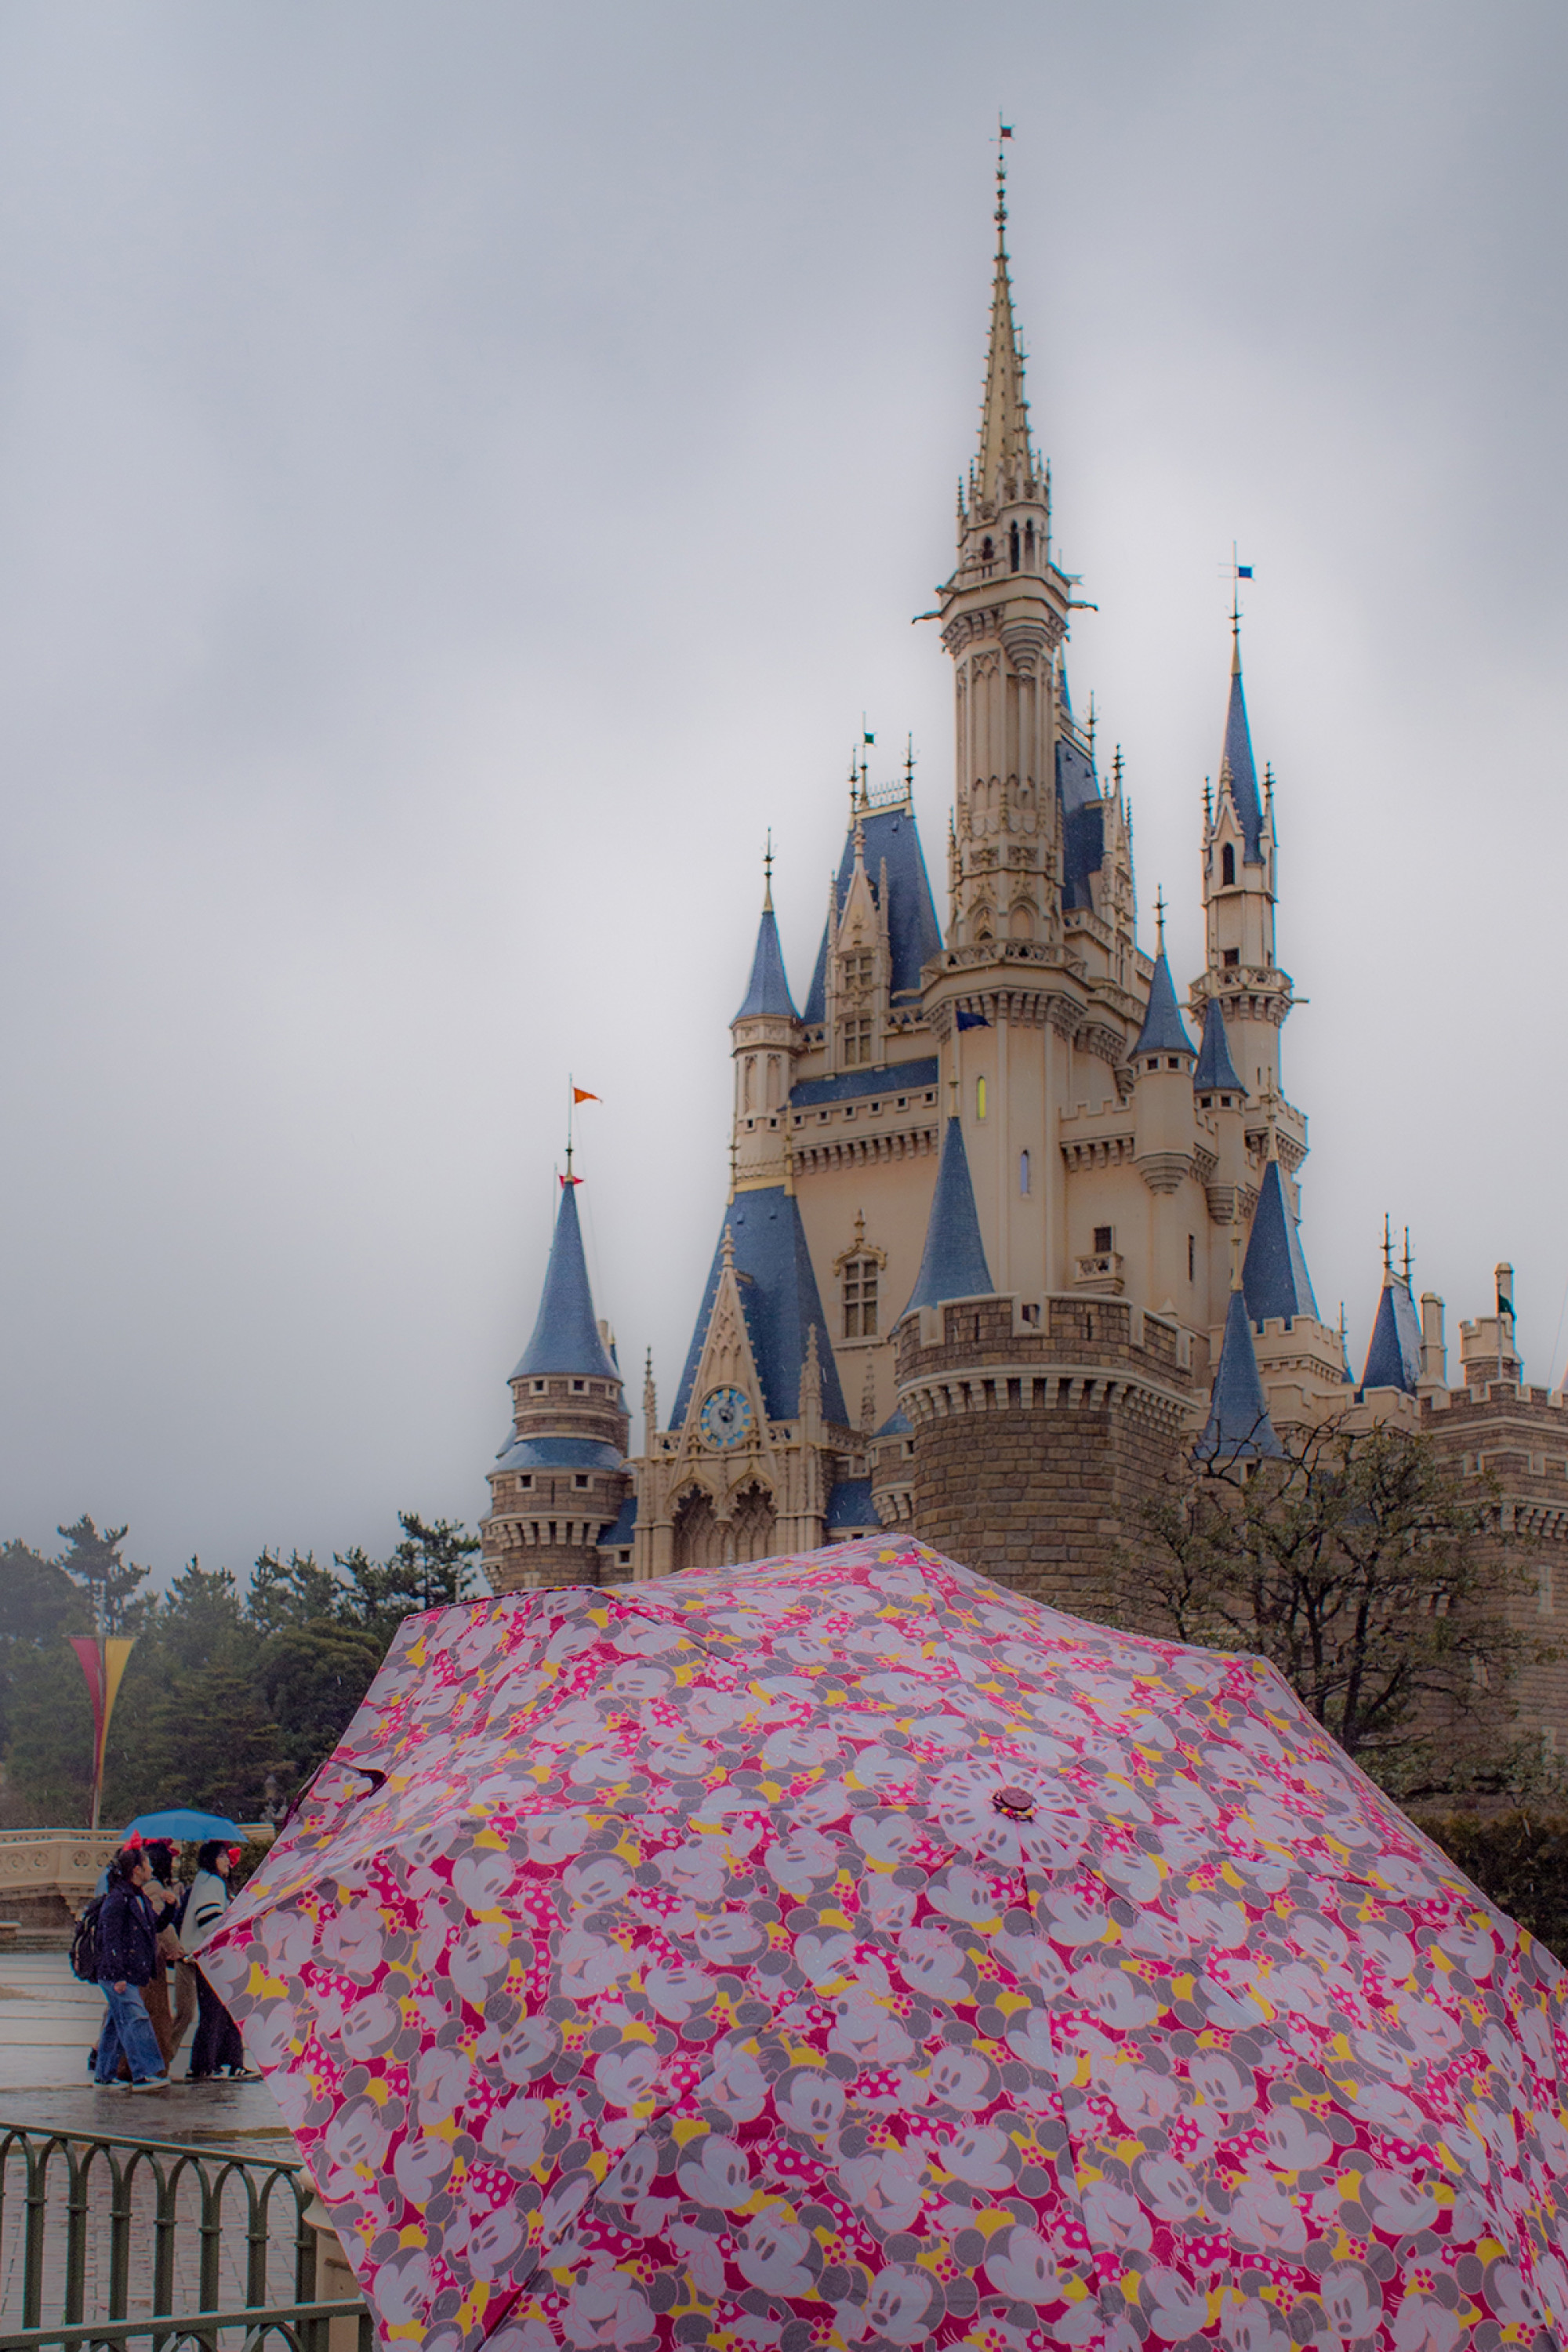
x,y
464,469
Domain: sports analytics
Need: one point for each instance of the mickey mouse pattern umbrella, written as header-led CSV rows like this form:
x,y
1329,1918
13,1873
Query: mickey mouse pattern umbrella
x,y
843,1951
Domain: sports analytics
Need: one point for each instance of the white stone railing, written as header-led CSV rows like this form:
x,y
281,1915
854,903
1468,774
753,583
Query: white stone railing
x,y
65,1862
53,1862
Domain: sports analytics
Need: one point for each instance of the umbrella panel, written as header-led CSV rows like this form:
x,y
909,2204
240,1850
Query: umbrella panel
x,y
845,1951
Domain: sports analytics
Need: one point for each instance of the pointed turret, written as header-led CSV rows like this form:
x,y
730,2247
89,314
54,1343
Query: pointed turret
x,y
954,1262
1163,1031
1393,1358
1238,1428
560,1483
1238,772
1215,1072
765,1037
768,996
566,1337
1007,468
1273,1275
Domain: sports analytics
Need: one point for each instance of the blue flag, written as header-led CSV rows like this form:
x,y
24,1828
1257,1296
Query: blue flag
x,y
972,1021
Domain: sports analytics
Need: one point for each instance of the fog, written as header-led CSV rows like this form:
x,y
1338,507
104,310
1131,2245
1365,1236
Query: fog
x,y
463,474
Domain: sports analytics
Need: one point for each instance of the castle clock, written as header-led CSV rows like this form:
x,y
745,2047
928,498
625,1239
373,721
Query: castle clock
x,y
725,1419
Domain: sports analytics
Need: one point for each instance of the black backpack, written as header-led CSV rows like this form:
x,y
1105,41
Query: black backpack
x,y
84,1943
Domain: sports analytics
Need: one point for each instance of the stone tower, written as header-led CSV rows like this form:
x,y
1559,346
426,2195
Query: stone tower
x,y
560,1481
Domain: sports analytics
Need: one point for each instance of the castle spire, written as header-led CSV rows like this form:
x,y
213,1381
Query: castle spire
x,y
566,1337
1215,1072
767,995
1163,1031
1393,1354
954,1262
1006,463
1238,1428
1237,768
1275,1275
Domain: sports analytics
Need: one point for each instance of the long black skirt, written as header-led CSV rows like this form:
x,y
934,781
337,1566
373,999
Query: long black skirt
x,y
218,2048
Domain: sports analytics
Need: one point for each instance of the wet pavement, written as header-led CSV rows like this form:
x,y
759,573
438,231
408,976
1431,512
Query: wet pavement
x,y
48,2024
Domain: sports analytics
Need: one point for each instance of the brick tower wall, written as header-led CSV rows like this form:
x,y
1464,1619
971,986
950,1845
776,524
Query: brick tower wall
x,y
545,1520
1518,1436
1035,1444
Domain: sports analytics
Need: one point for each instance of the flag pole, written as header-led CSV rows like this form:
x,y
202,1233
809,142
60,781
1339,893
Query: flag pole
x,y
101,1728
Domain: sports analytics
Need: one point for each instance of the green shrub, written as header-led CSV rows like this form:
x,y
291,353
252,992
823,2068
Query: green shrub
x,y
1520,1860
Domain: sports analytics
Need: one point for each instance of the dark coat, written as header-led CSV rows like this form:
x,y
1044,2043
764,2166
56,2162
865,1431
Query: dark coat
x,y
127,1937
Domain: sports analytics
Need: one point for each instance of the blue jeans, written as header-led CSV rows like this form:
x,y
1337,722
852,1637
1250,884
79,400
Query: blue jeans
x,y
128,2027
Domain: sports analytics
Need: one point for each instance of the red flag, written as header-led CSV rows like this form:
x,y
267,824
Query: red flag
x,y
571,1179
580,1093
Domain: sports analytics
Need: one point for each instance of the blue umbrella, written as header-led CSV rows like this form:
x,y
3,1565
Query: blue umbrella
x,y
182,1822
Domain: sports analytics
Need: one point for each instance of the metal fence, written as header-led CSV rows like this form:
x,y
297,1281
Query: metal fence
x,y
103,2239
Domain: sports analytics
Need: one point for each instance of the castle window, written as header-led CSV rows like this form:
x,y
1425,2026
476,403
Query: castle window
x,y
1225,1102
1104,1240
1232,958
539,1387
1013,547
860,1297
526,1481
979,1097
1227,862
1024,1174
858,971
986,551
578,1387
1192,1257
1029,544
1171,1063
856,1043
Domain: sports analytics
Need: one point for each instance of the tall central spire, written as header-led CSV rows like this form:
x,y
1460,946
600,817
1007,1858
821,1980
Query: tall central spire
x,y
1005,468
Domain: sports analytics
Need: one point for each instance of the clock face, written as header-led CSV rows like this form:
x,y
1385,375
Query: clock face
x,y
726,1417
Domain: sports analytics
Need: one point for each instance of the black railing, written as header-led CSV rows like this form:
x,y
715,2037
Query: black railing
x,y
199,2238
303,2326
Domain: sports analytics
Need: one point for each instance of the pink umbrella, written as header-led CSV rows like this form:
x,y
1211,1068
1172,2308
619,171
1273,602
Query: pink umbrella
x,y
844,1951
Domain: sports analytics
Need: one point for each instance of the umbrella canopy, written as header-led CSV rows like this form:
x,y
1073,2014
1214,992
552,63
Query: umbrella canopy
x,y
182,1822
844,1951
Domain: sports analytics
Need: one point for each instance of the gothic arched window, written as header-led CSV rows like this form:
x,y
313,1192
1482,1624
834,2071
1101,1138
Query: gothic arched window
x,y
1013,547
1227,862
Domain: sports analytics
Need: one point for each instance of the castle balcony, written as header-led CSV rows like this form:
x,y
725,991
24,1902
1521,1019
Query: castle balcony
x,y
1101,1272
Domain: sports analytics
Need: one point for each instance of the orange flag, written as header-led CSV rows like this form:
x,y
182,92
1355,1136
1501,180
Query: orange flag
x,y
580,1093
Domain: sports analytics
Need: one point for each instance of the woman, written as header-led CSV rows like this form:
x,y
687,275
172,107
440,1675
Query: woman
x,y
217,2046
127,1959
163,1895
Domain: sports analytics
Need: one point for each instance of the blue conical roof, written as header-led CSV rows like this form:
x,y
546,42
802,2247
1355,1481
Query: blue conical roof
x,y
566,1336
892,839
1238,1428
1215,1072
954,1263
1393,1359
1274,1273
1163,1031
779,1299
769,991
1242,774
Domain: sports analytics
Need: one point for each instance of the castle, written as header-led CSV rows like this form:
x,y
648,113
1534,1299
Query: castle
x,y
1010,1224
